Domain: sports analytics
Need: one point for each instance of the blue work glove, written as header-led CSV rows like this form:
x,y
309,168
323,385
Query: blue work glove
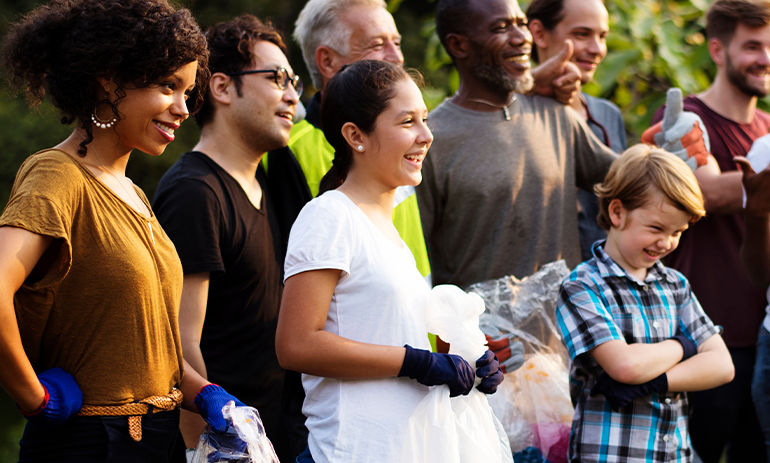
x,y
620,394
433,369
488,369
510,353
687,345
63,398
210,401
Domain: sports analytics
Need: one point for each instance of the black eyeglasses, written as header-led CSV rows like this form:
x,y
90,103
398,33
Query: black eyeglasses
x,y
281,77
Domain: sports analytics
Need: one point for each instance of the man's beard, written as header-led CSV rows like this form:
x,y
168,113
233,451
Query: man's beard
x,y
741,80
500,81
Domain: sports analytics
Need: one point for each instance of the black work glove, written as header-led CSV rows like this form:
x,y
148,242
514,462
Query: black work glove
x,y
688,346
488,369
619,394
433,369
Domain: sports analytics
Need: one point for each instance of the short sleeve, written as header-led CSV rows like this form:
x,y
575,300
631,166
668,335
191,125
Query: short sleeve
x,y
693,321
592,157
45,193
191,215
322,237
584,320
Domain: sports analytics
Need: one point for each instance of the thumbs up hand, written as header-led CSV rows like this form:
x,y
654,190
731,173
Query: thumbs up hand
x,y
680,132
558,77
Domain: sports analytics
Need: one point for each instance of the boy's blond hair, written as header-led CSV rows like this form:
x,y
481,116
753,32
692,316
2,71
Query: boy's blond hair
x,y
643,169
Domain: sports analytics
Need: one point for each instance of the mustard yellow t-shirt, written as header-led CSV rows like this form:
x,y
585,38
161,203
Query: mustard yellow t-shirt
x,y
106,310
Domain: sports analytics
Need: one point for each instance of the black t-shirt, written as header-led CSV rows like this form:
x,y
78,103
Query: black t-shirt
x,y
216,229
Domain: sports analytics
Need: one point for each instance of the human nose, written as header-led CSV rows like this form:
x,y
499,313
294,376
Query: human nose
x,y
179,106
519,35
764,59
393,53
290,95
596,46
425,136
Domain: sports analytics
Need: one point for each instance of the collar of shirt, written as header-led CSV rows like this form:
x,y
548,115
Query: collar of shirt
x,y
609,268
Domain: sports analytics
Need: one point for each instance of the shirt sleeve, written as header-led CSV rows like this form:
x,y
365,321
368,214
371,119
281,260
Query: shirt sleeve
x,y
191,215
693,321
322,237
592,157
584,320
44,195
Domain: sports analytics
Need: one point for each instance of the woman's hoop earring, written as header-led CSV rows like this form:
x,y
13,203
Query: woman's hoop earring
x,y
360,147
103,124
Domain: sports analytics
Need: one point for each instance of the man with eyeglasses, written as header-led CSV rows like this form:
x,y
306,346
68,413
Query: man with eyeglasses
x,y
215,206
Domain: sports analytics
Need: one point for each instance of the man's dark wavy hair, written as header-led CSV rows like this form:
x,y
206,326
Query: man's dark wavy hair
x,y
63,47
231,47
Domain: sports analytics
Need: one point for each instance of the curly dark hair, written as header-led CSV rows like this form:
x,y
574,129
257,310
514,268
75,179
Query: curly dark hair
x,y
62,48
230,50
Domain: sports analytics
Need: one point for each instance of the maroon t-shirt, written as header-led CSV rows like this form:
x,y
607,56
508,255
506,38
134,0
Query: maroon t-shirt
x,y
708,253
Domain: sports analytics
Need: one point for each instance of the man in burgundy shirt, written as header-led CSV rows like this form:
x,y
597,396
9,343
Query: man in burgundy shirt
x,y
708,254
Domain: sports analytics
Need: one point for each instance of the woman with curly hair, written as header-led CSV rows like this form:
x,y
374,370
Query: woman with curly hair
x,y
89,282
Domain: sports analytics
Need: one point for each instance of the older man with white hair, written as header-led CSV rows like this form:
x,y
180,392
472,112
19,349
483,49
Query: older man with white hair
x,y
333,33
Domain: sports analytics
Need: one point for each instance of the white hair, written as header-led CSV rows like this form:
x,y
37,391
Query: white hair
x,y
319,25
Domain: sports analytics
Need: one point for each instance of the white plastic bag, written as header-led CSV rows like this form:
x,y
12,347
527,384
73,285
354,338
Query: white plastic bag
x,y
461,429
533,402
244,441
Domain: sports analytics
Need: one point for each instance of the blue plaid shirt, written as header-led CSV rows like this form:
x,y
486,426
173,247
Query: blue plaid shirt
x,y
600,302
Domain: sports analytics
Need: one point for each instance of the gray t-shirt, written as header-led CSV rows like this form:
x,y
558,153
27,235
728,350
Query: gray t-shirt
x,y
498,196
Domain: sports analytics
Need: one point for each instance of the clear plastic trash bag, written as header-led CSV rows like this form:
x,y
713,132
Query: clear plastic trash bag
x,y
461,429
244,441
533,403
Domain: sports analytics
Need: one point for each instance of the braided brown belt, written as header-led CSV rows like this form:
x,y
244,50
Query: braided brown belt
x,y
135,411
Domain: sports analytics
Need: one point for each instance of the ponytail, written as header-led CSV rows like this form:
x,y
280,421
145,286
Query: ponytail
x,y
358,93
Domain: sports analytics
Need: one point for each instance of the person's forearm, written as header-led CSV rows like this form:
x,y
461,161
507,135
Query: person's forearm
x,y
722,194
194,358
190,386
17,376
712,366
637,363
325,354
706,370
755,249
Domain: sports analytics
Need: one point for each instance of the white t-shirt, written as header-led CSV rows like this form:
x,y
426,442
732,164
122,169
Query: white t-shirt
x,y
380,299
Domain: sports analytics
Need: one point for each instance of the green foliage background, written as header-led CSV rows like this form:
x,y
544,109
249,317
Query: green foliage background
x,y
653,45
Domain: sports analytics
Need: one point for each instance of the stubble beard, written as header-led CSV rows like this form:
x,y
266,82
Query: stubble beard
x,y
740,81
500,81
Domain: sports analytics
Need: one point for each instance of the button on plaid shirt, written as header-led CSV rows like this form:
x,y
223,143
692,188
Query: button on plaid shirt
x,y
600,302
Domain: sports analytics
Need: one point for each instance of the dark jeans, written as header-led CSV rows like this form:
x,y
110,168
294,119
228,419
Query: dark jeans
x,y
725,416
96,439
760,388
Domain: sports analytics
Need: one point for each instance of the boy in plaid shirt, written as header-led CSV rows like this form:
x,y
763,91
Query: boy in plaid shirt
x,y
636,334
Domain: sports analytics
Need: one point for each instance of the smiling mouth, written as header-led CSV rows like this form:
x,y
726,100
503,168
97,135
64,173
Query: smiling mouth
x,y
165,128
653,253
417,157
519,59
285,115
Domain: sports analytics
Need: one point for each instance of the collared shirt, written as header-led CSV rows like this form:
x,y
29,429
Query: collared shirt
x,y
600,302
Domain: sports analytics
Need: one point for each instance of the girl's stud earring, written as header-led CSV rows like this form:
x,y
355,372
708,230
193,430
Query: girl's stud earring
x,y
360,147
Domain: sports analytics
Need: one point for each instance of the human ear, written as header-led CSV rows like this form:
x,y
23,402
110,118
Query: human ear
x,y
617,213
457,45
539,34
220,88
355,137
106,88
717,51
328,62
